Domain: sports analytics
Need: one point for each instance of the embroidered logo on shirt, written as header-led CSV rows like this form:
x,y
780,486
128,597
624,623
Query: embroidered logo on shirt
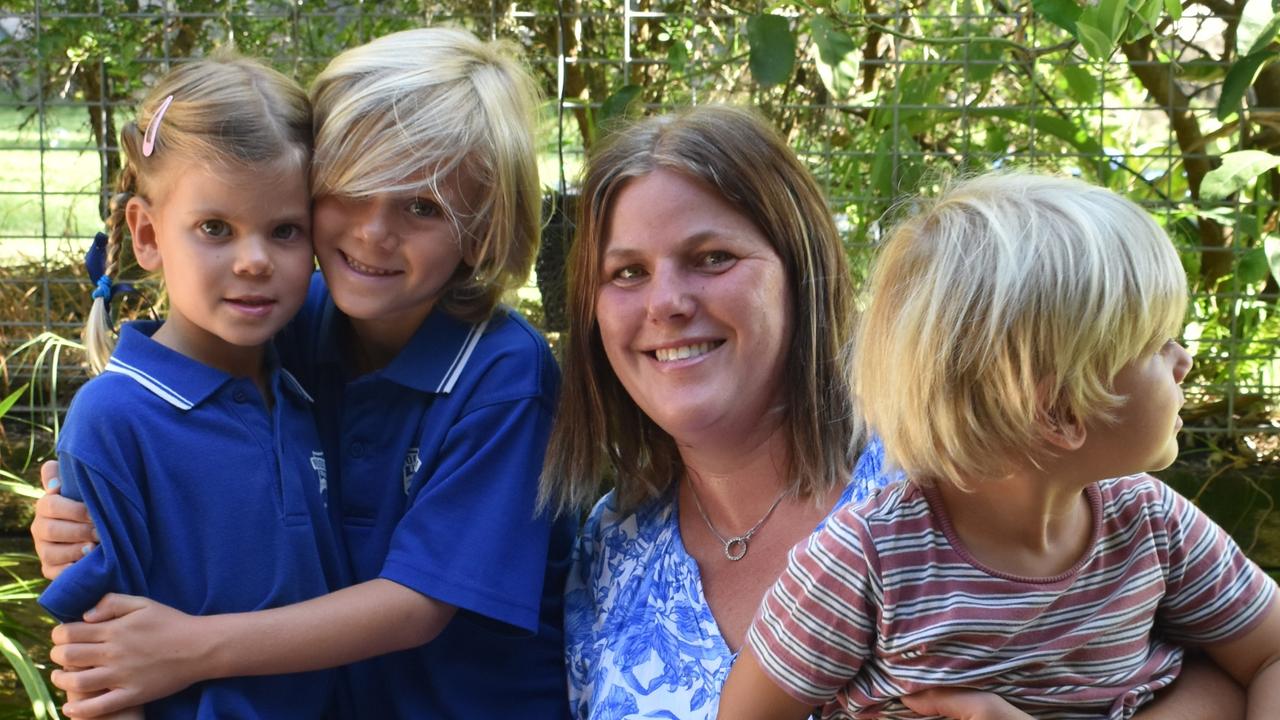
x,y
317,464
411,465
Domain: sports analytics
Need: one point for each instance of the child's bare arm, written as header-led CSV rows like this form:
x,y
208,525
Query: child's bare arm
x,y
1254,661
1203,691
139,650
963,704
750,694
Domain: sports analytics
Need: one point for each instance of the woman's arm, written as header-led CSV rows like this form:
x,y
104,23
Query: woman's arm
x,y
138,650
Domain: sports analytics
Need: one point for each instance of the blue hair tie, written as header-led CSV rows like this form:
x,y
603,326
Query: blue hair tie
x,y
103,290
95,262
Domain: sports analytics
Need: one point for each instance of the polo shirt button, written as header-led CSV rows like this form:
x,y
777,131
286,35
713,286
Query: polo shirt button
x,y
357,449
240,396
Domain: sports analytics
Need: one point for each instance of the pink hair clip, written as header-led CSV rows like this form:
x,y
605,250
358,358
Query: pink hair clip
x,y
149,137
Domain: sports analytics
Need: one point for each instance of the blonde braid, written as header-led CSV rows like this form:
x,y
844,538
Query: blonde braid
x,y
98,339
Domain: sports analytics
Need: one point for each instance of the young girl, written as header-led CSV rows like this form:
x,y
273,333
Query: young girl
x,y
435,401
1014,356
195,453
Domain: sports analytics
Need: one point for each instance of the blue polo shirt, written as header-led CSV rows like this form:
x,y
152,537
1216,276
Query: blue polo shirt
x,y
206,501
439,455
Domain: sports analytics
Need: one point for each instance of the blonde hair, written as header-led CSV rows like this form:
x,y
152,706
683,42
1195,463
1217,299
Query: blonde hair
x,y
598,424
413,109
1010,301
226,110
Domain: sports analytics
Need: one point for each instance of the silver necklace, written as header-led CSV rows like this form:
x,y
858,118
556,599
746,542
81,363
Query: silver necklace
x,y
735,548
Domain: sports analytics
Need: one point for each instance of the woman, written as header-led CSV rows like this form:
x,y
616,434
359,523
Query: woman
x,y
707,367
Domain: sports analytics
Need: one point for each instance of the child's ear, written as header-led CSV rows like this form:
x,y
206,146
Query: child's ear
x,y
1062,429
1058,426
142,228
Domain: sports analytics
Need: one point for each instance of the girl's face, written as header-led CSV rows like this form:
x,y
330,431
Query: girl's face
x,y
386,258
234,247
693,310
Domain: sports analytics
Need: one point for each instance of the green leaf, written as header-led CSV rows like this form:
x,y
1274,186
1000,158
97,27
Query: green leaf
x,y
1256,27
773,49
678,56
982,60
1266,35
20,488
1241,75
997,142
1107,16
1237,170
9,401
1252,266
1145,16
1081,84
1272,248
1095,41
1062,13
42,705
1173,8
620,103
882,168
1058,127
837,57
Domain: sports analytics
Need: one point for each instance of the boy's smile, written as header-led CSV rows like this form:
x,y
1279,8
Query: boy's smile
x,y
386,260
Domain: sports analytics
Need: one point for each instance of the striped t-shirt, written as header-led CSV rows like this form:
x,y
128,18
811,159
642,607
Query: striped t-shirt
x,y
885,602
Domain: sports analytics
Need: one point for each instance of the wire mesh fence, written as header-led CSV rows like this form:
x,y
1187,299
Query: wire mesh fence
x,y
1174,107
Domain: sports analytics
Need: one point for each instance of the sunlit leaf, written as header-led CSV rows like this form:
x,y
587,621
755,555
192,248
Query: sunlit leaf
x,y
9,401
882,167
1271,246
1256,28
1144,20
1095,41
678,56
837,57
20,488
982,60
42,705
620,103
773,49
1081,84
1108,16
1241,75
1062,13
1266,35
1237,170
1058,127
1252,266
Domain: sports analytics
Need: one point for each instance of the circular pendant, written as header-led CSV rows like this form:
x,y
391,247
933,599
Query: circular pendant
x,y
736,548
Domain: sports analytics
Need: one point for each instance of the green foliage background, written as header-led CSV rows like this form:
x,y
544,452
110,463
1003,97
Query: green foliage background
x,y
1174,104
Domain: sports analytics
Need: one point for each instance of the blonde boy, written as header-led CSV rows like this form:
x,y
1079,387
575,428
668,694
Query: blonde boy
x,y
1016,359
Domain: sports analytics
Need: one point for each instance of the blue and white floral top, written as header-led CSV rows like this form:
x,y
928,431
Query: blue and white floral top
x,y
640,640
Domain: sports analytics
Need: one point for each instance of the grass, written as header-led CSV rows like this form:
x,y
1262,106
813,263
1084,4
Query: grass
x,y
48,189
